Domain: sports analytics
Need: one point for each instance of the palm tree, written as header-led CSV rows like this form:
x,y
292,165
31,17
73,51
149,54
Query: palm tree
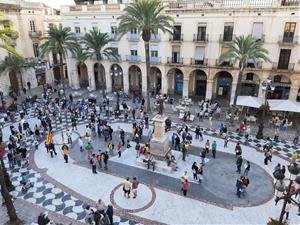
x,y
147,17
80,56
14,64
94,42
8,36
242,50
59,40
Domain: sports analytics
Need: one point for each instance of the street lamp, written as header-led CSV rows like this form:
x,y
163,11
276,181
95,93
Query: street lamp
x,y
283,192
269,87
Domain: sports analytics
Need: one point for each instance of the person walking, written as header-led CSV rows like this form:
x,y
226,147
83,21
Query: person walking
x,y
195,170
288,209
226,139
69,136
239,186
80,142
93,161
197,132
135,184
184,150
105,159
206,146
203,155
185,187
239,162
214,148
127,185
100,206
110,213
238,150
247,168
177,143
137,149
65,149
200,173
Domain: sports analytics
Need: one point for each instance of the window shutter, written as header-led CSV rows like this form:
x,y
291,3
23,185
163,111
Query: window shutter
x,y
257,31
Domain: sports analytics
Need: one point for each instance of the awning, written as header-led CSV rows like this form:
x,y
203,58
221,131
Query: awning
x,y
250,101
284,105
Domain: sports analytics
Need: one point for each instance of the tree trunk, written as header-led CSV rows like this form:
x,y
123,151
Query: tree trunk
x,y
237,92
11,211
61,68
20,80
100,76
147,54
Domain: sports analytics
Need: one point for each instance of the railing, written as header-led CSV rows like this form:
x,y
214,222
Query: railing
x,y
172,60
284,40
200,63
155,38
176,38
226,39
254,66
199,38
93,7
35,34
132,37
112,7
155,60
75,8
224,64
290,2
133,58
283,68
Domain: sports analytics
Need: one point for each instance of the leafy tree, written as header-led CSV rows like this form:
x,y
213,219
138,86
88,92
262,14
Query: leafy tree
x,y
147,17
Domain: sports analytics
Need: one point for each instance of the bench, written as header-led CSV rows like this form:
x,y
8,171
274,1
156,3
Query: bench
x,y
160,166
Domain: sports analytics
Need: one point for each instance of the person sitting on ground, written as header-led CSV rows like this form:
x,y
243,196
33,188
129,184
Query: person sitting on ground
x,y
171,161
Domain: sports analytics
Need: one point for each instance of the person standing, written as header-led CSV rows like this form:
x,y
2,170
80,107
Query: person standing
x,y
80,142
105,159
122,136
69,136
206,146
200,173
226,141
65,149
184,150
203,155
137,149
119,149
185,186
238,150
99,159
93,161
177,143
239,162
100,206
247,168
135,184
197,132
195,170
110,213
239,185
214,148
127,187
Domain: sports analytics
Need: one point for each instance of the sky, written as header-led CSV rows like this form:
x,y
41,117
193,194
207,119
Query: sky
x,y
54,3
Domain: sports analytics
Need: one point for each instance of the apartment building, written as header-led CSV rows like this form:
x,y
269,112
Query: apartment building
x,y
31,20
186,63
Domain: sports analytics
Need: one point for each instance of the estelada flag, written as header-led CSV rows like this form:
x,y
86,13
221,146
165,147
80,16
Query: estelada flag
x,y
49,137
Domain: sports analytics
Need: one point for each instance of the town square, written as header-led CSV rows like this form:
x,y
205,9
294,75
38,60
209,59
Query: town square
x,y
149,112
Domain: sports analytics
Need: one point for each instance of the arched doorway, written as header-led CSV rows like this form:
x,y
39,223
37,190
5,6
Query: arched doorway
x,y
282,87
116,74
83,75
250,84
135,79
99,73
175,81
155,80
223,82
197,83
14,83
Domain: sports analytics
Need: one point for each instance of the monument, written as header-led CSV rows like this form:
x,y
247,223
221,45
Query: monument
x,y
159,144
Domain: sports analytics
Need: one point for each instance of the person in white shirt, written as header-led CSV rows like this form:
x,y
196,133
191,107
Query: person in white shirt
x,y
127,185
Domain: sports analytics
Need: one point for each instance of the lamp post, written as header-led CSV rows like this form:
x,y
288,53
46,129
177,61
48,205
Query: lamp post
x,y
283,191
269,88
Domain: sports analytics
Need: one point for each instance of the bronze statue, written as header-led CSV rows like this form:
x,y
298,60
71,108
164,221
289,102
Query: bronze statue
x,y
161,106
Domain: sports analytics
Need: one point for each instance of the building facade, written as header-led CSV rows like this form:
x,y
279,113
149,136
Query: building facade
x,y
31,20
186,63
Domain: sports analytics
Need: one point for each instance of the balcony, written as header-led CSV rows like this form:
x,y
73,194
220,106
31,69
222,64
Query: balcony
x,y
155,60
176,38
199,63
133,37
283,67
200,39
226,38
113,36
252,66
290,2
155,38
285,40
35,34
133,58
225,64
175,61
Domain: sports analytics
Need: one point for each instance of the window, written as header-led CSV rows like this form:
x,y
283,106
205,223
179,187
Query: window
x,y
32,25
154,53
201,35
175,54
284,59
257,31
199,55
177,33
95,26
36,49
289,30
113,29
249,76
133,31
228,32
133,50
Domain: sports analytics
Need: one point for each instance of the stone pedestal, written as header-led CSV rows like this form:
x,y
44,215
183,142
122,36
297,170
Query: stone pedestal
x,y
159,144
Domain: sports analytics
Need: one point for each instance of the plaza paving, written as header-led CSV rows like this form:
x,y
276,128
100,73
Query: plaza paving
x,y
67,188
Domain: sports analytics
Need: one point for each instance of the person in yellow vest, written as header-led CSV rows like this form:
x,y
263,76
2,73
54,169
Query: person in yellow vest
x,y
294,157
147,149
65,149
